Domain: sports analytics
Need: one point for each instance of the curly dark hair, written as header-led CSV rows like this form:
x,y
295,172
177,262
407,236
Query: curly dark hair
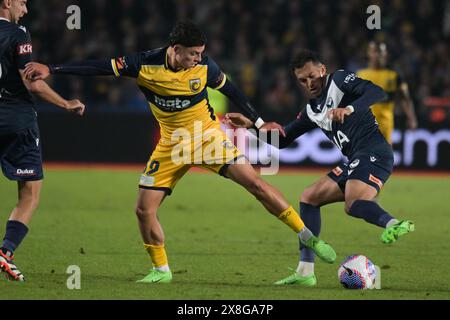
x,y
187,34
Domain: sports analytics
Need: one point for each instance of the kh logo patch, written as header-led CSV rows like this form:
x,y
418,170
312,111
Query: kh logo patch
x,y
25,49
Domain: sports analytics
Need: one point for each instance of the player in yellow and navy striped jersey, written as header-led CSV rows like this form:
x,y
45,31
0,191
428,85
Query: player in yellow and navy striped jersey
x,y
391,82
174,79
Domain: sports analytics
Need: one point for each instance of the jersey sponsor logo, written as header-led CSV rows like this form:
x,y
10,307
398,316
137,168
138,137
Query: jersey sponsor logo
x,y
373,159
339,139
195,84
25,48
354,164
25,172
376,180
337,171
349,172
172,104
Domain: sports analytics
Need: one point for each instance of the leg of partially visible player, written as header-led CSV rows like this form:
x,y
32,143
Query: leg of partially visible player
x,y
322,192
276,204
360,203
152,234
16,227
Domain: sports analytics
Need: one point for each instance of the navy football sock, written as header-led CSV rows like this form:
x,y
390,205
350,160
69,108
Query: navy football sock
x,y
311,217
15,232
371,212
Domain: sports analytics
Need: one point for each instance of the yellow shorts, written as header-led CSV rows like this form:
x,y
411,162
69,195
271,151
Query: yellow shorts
x,y
169,162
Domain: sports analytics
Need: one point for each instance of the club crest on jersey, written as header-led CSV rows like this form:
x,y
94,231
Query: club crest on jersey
x,y
329,103
195,84
354,164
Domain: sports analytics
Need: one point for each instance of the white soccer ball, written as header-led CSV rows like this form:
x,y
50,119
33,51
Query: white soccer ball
x,y
357,272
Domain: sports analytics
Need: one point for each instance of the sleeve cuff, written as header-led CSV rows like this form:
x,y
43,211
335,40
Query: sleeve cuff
x,y
259,123
351,109
114,67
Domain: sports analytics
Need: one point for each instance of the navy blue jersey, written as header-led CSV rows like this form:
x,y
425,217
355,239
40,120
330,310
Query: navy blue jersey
x,y
359,132
16,104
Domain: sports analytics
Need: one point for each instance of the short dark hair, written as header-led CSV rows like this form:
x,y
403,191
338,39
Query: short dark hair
x,y
303,57
187,34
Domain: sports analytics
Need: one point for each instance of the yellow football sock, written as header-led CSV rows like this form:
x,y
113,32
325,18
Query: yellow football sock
x,y
292,219
157,254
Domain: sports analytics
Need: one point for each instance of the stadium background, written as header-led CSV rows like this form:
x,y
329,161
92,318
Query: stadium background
x,y
253,42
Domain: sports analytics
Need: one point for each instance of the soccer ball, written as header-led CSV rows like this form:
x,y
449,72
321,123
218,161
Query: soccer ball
x,y
357,272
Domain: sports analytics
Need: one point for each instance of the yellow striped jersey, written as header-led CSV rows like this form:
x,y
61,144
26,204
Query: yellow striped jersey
x,y
389,80
176,98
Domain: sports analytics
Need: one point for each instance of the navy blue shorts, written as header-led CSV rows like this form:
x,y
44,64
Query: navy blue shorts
x,y
373,168
21,156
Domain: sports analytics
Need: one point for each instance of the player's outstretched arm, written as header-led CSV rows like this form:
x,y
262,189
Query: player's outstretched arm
x,y
240,100
43,90
237,120
39,71
292,131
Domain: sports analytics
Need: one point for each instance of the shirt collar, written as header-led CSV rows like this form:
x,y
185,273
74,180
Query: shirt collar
x,y
2,18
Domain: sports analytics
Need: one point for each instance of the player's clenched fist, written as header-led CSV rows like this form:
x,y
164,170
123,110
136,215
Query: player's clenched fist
x,y
75,106
237,120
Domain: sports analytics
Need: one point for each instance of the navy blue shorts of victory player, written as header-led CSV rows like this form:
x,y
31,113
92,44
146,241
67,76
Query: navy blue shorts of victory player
x,y
20,155
371,167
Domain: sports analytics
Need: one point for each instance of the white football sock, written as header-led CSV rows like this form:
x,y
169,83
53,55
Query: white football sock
x,y
305,268
164,268
391,222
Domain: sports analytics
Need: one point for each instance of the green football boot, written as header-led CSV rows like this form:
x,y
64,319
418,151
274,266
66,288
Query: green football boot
x,y
392,233
295,278
157,276
322,249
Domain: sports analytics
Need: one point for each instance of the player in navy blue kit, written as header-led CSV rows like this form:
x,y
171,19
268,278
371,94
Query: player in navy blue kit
x,y
340,106
20,147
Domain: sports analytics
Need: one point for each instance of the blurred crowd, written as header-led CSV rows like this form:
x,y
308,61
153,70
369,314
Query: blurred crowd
x,y
252,41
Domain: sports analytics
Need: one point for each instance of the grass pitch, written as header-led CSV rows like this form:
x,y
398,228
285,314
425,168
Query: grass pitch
x,y
220,241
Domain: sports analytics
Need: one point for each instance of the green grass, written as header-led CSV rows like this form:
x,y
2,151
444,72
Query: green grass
x,y
221,243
